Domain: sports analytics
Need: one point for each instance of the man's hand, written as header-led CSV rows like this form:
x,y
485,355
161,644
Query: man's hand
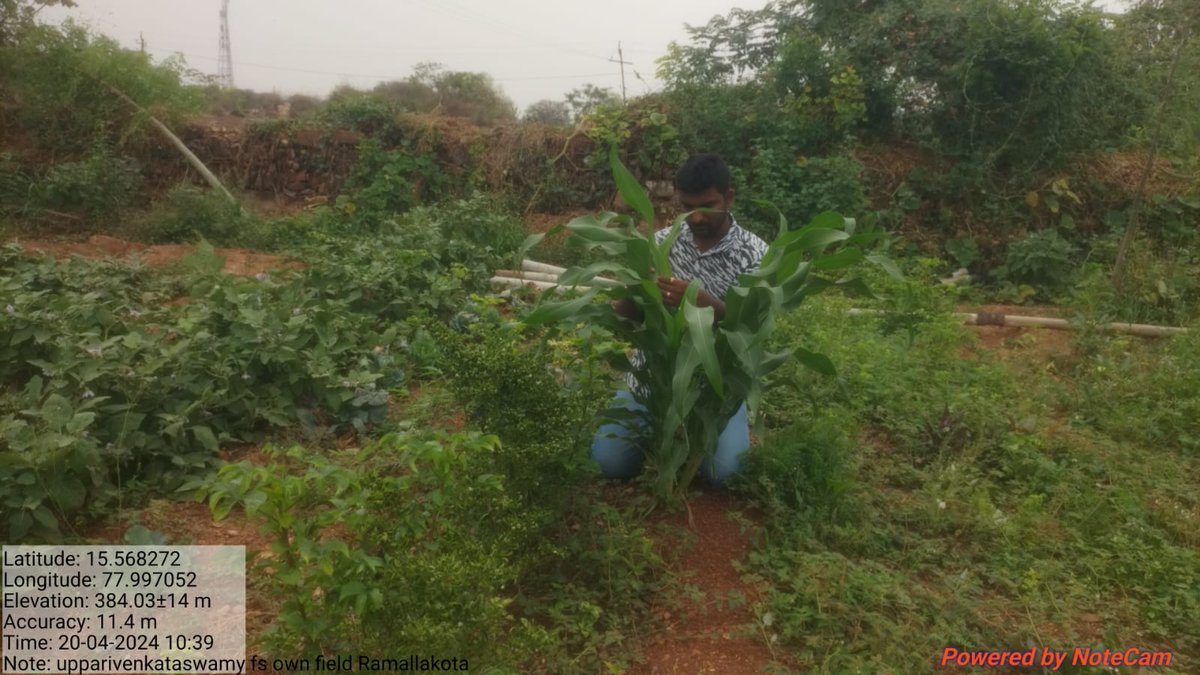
x,y
673,290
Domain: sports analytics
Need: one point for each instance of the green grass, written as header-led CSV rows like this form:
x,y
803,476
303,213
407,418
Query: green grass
x,y
983,505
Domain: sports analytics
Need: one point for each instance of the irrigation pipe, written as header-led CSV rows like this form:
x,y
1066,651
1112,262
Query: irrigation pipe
x,y
552,277
513,282
534,266
996,319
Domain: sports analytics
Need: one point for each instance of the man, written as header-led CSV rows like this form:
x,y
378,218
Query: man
x,y
714,250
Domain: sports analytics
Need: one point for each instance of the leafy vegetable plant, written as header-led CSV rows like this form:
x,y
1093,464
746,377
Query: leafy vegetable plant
x,y
696,373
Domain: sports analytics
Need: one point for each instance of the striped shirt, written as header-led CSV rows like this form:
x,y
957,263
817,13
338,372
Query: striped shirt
x,y
717,269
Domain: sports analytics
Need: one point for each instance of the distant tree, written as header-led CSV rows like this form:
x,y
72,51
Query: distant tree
x,y
585,99
432,88
300,105
410,95
473,96
344,91
16,15
427,72
552,113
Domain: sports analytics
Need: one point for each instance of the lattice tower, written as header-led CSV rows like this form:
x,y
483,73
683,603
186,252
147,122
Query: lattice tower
x,y
225,62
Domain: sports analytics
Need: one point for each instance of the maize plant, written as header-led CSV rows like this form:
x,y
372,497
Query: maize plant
x,y
696,373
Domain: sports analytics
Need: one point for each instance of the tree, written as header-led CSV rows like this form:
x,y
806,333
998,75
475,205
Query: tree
x,y
585,99
410,95
462,94
474,96
17,15
550,113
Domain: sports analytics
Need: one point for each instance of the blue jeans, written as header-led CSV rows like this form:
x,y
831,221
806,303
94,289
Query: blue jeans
x,y
620,457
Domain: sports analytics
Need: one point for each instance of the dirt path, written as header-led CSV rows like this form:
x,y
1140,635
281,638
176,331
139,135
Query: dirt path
x,y
237,261
710,636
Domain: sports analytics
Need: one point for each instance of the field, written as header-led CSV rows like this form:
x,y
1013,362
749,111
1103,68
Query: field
x,y
996,488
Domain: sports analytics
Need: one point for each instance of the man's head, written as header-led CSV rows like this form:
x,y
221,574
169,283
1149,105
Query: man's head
x,y
703,183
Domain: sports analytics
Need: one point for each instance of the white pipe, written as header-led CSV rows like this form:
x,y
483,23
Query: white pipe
x,y
553,276
540,285
995,319
534,266
533,276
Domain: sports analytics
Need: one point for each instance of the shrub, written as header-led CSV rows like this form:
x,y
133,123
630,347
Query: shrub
x,y
190,213
483,222
802,187
98,185
61,75
1043,259
388,182
367,113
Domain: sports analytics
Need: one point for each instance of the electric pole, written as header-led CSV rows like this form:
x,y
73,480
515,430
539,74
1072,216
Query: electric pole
x,y
225,62
621,60
142,41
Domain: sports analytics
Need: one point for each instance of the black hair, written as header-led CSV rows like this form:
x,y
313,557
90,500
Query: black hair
x,y
701,172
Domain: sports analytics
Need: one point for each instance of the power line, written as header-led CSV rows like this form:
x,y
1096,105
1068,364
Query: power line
x,y
382,77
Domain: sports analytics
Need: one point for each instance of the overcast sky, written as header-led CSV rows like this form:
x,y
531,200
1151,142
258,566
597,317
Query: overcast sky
x,y
534,49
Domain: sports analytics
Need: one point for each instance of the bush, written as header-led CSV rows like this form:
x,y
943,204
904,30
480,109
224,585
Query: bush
x,y
801,187
483,222
1042,259
97,186
367,113
389,182
60,75
190,213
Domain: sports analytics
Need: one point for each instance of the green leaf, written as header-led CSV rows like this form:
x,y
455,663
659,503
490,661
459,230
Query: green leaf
x,y
888,265
206,438
632,192
818,362
254,500
579,275
829,220
553,312
18,525
68,493
814,240
699,325
839,260
80,422
535,239
641,256
595,229
45,517
57,411
34,388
